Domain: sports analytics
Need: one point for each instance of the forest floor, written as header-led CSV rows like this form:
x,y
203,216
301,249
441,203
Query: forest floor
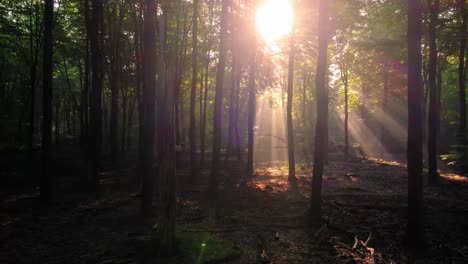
x,y
262,221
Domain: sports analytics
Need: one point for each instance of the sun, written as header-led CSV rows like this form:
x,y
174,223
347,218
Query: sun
x,y
274,19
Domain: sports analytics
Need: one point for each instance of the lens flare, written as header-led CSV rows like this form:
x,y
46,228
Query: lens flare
x,y
274,19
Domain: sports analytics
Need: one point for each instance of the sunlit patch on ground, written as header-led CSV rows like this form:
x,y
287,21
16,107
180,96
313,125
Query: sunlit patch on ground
x,y
454,177
388,162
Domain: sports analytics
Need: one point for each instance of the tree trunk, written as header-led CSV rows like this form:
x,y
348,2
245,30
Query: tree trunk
x,y
461,80
193,92
218,103
432,126
115,36
415,228
205,97
149,97
292,163
96,45
321,131
166,145
252,112
45,182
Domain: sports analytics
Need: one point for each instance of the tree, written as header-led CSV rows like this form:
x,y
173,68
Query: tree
x,y
462,77
292,163
193,91
433,100
149,97
96,46
45,183
35,32
321,131
115,35
252,111
218,103
415,227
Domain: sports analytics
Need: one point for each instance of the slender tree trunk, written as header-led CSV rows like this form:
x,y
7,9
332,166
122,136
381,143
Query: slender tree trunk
x,y
218,103
346,118
96,44
232,109
321,131
383,134
292,163
252,112
193,92
205,97
461,80
137,16
432,126
46,183
115,81
149,97
167,154
57,120
85,144
415,228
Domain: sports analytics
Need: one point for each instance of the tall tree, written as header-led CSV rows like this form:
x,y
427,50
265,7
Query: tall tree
x,y
167,158
321,131
218,102
149,97
433,105
96,46
193,91
292,54
85,92
252,111
415,227
205,96
45,183
462,76
115,35
35,32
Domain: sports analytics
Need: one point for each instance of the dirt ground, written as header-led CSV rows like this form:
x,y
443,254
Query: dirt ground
x,y
262,221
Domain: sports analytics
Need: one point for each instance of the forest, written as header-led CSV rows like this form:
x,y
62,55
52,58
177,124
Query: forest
x,y
233,131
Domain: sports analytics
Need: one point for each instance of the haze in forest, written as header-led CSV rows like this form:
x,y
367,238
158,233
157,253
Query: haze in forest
x,y
233,131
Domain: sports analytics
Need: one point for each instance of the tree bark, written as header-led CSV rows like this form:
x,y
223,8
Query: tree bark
x,y
415,227
252,112
321,131
193,91
291,160
45,182
96,45
432,126
461,81
149,98
218,103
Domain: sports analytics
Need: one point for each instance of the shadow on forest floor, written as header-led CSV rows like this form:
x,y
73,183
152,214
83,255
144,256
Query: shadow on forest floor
x,y
261,221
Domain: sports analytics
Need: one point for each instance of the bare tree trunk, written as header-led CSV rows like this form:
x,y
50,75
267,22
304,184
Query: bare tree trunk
x,y
46,175
321,131
96,45
415,228
292,163
193,91
461,81
205,97
115,36
218,103
167,154
149,98
252,112
432,126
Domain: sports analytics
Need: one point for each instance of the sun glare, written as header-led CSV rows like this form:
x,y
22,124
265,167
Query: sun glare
x,y
274,19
